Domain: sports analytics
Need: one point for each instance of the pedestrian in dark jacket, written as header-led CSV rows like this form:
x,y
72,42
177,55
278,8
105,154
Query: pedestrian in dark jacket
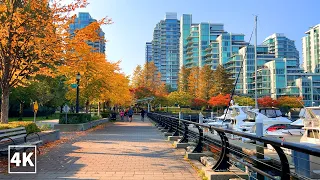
x,y
142,114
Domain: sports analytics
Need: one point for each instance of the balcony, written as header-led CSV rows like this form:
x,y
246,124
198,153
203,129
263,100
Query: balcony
x,y
208,48
189,43
189,52
189,57
189,63
208,60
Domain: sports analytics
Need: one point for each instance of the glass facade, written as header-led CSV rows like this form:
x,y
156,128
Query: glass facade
x,y
198,43
282,47
148,53
82,20
165,49
311,50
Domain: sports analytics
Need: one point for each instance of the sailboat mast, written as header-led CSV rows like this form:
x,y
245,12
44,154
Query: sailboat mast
x,y
255,63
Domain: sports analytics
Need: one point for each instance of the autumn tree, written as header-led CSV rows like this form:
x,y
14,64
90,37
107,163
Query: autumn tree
x,y
183,79
180,98
148,78
193,81
222,82
267,101
206,80
220,100
32,37
137,77
288,102
243,101
198,103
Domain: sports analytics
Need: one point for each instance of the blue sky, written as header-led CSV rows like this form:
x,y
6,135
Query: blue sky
x,y
134,21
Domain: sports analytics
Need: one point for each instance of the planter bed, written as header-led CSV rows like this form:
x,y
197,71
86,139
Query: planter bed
x,y
79,127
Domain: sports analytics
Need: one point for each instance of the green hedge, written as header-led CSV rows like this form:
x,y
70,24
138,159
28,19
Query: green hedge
x,y
105,114
74,118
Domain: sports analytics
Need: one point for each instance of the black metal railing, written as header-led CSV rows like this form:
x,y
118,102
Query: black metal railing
x,y
226,154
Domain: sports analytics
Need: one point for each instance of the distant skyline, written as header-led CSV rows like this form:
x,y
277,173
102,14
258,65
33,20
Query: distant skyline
x,y
134,21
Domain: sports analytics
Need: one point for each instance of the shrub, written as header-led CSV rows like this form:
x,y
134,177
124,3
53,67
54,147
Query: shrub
x,y
74,118
30,126
105,114
95,117
45,127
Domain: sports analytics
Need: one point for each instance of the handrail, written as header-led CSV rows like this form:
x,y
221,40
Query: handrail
x,y
284,144
225,149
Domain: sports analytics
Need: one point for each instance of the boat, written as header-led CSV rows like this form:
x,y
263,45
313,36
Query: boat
x,y
232,118
311,127
271,118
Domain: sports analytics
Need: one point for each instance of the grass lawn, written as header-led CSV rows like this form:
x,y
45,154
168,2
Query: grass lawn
x,y
40,118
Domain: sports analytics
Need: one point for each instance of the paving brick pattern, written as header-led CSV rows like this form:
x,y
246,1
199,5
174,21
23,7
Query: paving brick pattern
x,y
124,150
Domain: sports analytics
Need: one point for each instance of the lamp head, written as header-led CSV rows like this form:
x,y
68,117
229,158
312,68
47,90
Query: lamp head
x,y
78,76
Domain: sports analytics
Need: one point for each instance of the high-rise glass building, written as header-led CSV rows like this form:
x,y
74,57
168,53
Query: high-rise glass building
x,y
245,55
82,20
148,52
311,50
165,48
282,47
195,39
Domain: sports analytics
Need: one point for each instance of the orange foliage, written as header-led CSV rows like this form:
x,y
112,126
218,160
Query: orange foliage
x,y
290,102
267,101
33,39
220,100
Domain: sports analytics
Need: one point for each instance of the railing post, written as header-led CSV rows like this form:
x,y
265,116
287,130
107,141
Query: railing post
x,y
184,138
177,124
199,146
223,161
285,168
170,125
165,123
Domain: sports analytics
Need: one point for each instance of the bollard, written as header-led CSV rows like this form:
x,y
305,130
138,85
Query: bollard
x,y
200,118
211,115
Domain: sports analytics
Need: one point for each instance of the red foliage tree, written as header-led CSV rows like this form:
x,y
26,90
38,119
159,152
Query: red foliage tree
x,y
198,103
267,101
220,100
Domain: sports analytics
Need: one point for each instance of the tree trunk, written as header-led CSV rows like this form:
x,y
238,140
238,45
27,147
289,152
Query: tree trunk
x,y
5,104
99,108
87,106
21,111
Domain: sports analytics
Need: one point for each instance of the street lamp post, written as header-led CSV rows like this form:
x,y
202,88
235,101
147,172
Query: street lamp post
x,y
77,100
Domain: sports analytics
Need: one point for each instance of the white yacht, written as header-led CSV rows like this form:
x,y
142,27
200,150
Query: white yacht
x,y
271,117
232,119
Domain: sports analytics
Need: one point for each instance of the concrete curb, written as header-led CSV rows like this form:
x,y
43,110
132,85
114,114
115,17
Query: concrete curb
x,y
80,127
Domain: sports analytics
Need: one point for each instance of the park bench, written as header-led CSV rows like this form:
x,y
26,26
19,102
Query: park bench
x,y
17,136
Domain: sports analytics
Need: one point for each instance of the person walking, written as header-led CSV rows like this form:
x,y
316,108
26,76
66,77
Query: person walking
x,y
142,114
121,114
130,114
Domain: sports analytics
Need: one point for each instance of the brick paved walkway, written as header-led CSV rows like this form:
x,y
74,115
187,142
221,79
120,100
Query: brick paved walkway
x,y
124,150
